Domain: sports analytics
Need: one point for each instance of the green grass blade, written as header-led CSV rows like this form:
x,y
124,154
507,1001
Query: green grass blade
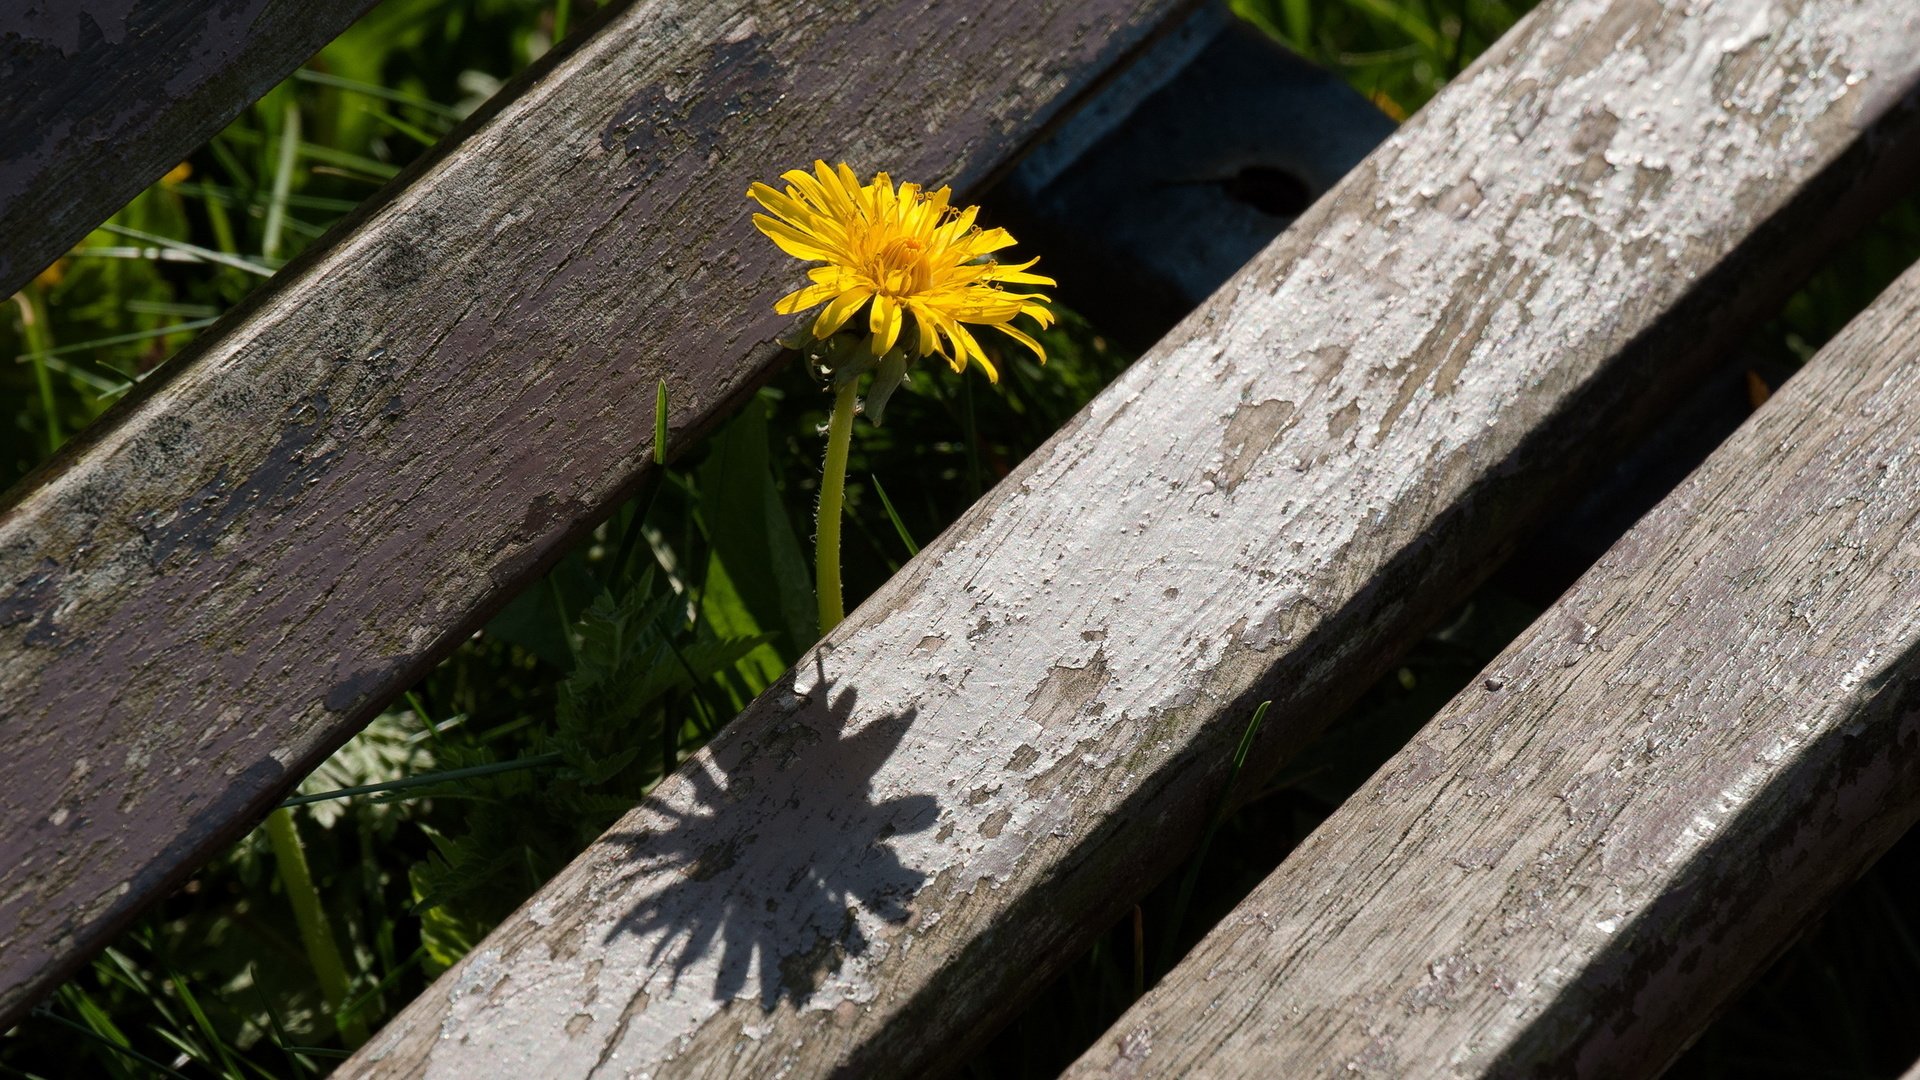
x,y
419,708
166,307
283,168
133,252
411,131
35,332
205,254
119,967
230,161
425,780
96,1019
184,1046
229,196
355,163
565,619
373,992
660,424
122,339
320,1052
1298,16
326,155
893,516
92,1014
224,235
1406,21
205,1025
105,381
296,1065
1261,15
1192,877
125,1051
355,86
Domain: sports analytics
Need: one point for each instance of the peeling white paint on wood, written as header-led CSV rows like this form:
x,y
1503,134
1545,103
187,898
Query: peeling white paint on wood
x,y
1569,874
881,854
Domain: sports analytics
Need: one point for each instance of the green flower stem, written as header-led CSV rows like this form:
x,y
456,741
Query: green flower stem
x,y
833,489
291,860
37,346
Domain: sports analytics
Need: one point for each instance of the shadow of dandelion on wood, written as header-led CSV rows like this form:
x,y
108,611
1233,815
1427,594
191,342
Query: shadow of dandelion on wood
x,y
779,895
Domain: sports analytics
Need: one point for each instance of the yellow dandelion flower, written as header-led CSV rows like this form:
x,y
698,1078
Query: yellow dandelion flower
x,y
920,267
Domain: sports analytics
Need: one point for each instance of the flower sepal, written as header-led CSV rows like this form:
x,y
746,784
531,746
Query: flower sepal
x,y
839,360
842,359
798,338
887,377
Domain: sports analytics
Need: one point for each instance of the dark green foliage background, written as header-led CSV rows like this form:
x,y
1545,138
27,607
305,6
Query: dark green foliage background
x,y
642,642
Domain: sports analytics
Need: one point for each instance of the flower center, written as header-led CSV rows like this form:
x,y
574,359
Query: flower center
x,y
899,268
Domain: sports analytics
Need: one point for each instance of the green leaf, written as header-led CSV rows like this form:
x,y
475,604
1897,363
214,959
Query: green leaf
x,y
726,614
458,868
751,535
529,620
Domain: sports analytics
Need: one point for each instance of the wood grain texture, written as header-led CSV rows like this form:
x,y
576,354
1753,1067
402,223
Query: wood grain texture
x,y
1644,799
98,98
218,585
1006,745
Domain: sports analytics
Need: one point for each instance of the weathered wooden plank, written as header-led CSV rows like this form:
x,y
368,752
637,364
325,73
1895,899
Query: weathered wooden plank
x,y
100,97
1012,739
1586,853
216,587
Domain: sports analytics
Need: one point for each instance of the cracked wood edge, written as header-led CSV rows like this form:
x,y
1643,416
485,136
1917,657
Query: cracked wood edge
x,y
1643,800
1017,735
103,97
217,586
